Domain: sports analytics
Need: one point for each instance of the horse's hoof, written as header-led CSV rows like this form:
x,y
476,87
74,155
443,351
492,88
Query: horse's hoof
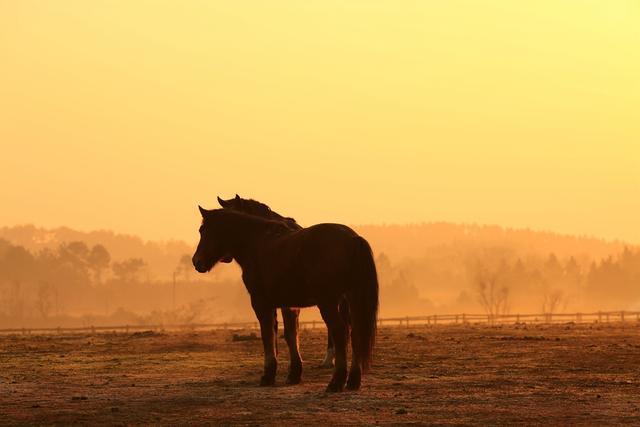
x,y
353,385
267,381
334,388
354,380
293,379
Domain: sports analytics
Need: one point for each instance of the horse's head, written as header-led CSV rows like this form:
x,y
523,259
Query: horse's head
x,y
234,203
214,245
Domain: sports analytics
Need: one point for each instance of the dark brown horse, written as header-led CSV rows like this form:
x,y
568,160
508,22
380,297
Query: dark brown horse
x,y
290,315
318,265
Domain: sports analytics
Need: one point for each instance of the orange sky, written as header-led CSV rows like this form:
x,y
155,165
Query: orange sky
x,y
126,114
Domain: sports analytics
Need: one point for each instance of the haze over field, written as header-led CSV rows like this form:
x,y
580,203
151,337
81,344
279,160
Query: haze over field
x,y
65,277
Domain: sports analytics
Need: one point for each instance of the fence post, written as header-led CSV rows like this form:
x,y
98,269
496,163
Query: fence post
x,y
407,320
464,318
599,317
622,316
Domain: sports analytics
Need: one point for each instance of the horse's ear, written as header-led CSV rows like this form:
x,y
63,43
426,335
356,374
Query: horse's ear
x,y
203,211
222,202
237,197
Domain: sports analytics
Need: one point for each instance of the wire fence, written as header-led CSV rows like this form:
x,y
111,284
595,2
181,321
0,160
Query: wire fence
x,y
407,321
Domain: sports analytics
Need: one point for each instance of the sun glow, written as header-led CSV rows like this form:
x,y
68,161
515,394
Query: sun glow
x,y
510,113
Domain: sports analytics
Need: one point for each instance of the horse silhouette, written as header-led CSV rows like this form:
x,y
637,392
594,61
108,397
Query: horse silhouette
x,y
318,265
290,315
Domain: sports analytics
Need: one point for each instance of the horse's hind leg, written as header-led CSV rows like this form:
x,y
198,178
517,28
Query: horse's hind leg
x,y
290,319
331,353
338,330
343,308
275,329
355,372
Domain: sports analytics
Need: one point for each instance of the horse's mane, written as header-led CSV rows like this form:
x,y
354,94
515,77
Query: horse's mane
x,y
240,216
257,208
255,204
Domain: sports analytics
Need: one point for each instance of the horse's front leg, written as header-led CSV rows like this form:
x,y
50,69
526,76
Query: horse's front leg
x,y
291,325
266,317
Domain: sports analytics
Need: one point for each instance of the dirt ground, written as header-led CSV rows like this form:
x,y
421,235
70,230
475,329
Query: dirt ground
x,y
553,375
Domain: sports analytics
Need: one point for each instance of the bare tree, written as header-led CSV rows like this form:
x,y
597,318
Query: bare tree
x,y
492,295
552,303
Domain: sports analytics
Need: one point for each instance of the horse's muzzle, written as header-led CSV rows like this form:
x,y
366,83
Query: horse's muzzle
x,y
200,265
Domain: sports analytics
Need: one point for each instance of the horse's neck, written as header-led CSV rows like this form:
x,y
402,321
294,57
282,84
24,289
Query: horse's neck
x,y
245,258
250,234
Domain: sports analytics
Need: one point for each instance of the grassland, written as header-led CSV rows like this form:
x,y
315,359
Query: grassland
x,y
545,374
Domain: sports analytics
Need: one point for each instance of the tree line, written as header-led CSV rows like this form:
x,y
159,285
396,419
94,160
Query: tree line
x,y
494,280
71,278
74,278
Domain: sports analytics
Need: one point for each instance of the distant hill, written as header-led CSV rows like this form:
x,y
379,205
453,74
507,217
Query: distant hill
x,y
398,242
415,240
422,268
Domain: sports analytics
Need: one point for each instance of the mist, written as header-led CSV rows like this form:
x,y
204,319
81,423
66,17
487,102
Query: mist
x,y
64,278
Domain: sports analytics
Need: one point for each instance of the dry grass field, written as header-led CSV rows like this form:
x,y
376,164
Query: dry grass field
x,y
544,374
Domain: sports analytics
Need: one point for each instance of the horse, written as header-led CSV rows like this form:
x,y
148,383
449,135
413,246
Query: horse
x,y
318,265
289,315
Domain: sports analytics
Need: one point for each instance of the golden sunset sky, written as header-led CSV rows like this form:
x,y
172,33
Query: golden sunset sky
x,y
126,114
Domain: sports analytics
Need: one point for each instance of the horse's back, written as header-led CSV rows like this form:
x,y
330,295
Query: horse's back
x,y
327,237
328,248
330,231
311,265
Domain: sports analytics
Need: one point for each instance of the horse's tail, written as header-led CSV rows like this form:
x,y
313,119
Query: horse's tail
x,y
363,304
